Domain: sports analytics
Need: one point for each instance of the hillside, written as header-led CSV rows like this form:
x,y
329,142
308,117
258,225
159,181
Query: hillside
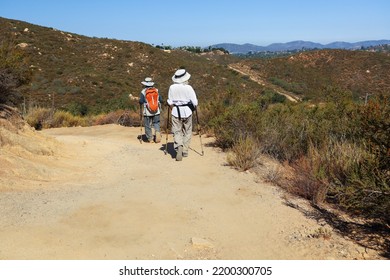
x,y
101,73
312,74
70,70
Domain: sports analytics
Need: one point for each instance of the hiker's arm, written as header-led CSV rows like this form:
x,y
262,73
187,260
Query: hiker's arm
x,y
169,100
193,98
142,98
160,101
140,111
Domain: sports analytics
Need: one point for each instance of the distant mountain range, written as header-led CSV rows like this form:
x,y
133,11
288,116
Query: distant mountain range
x,y
297,45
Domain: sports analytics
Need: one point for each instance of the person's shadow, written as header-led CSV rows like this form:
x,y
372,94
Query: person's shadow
x,y
168,149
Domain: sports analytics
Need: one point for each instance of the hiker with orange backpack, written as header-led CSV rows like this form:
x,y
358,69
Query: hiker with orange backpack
x,y
150,107
183,101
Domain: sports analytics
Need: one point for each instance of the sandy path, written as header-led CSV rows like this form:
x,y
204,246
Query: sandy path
x,y
109,197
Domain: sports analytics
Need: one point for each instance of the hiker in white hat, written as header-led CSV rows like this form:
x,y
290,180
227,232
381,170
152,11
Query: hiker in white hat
x,y
150,107
183,101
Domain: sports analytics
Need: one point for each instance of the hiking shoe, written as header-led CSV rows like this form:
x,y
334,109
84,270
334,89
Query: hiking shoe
x,y
185,154
158,138
179,153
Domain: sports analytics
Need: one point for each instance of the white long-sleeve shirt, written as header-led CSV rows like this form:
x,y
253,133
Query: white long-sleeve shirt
x,y
180,94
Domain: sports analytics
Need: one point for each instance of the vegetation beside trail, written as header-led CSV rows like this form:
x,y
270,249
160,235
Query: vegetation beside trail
x,y
339,149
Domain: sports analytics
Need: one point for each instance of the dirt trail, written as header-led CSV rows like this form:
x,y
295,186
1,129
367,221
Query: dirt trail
x,y
255,76
106,196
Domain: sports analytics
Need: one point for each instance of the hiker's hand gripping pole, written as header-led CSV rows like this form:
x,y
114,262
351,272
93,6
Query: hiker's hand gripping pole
x,y
199,131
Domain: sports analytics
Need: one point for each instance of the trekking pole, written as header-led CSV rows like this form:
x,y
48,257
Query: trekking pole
x,y
166,131
141,123
199,131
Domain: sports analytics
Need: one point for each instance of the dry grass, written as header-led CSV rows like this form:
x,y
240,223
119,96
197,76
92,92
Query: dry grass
x,y
244,154
273,175
41,118
322,232
62,118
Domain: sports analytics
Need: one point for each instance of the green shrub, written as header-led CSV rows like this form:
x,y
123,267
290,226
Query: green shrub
x,y
375,129
369,192
77,109
13,73
294,87
329,168
235,123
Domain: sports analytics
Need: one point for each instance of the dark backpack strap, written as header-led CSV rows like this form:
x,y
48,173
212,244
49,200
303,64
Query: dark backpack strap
x,y
189,105
178,110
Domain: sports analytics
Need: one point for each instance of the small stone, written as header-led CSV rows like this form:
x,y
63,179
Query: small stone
x,y
201,243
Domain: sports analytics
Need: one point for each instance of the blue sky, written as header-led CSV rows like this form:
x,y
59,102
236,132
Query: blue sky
x,y
206,22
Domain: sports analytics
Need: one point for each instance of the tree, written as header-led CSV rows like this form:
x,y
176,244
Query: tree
x,y
13,73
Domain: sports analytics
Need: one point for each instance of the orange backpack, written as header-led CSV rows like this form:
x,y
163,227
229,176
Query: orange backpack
x,y
151,96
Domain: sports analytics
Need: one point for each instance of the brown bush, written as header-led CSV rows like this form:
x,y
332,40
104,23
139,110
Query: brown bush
x,y
305,182
122,117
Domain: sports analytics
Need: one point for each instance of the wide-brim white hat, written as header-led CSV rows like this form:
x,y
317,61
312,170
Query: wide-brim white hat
x,y
181,76
148,82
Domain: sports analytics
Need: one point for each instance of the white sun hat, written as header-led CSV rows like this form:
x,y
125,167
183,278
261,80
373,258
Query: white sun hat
x,y
148,82
181,76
